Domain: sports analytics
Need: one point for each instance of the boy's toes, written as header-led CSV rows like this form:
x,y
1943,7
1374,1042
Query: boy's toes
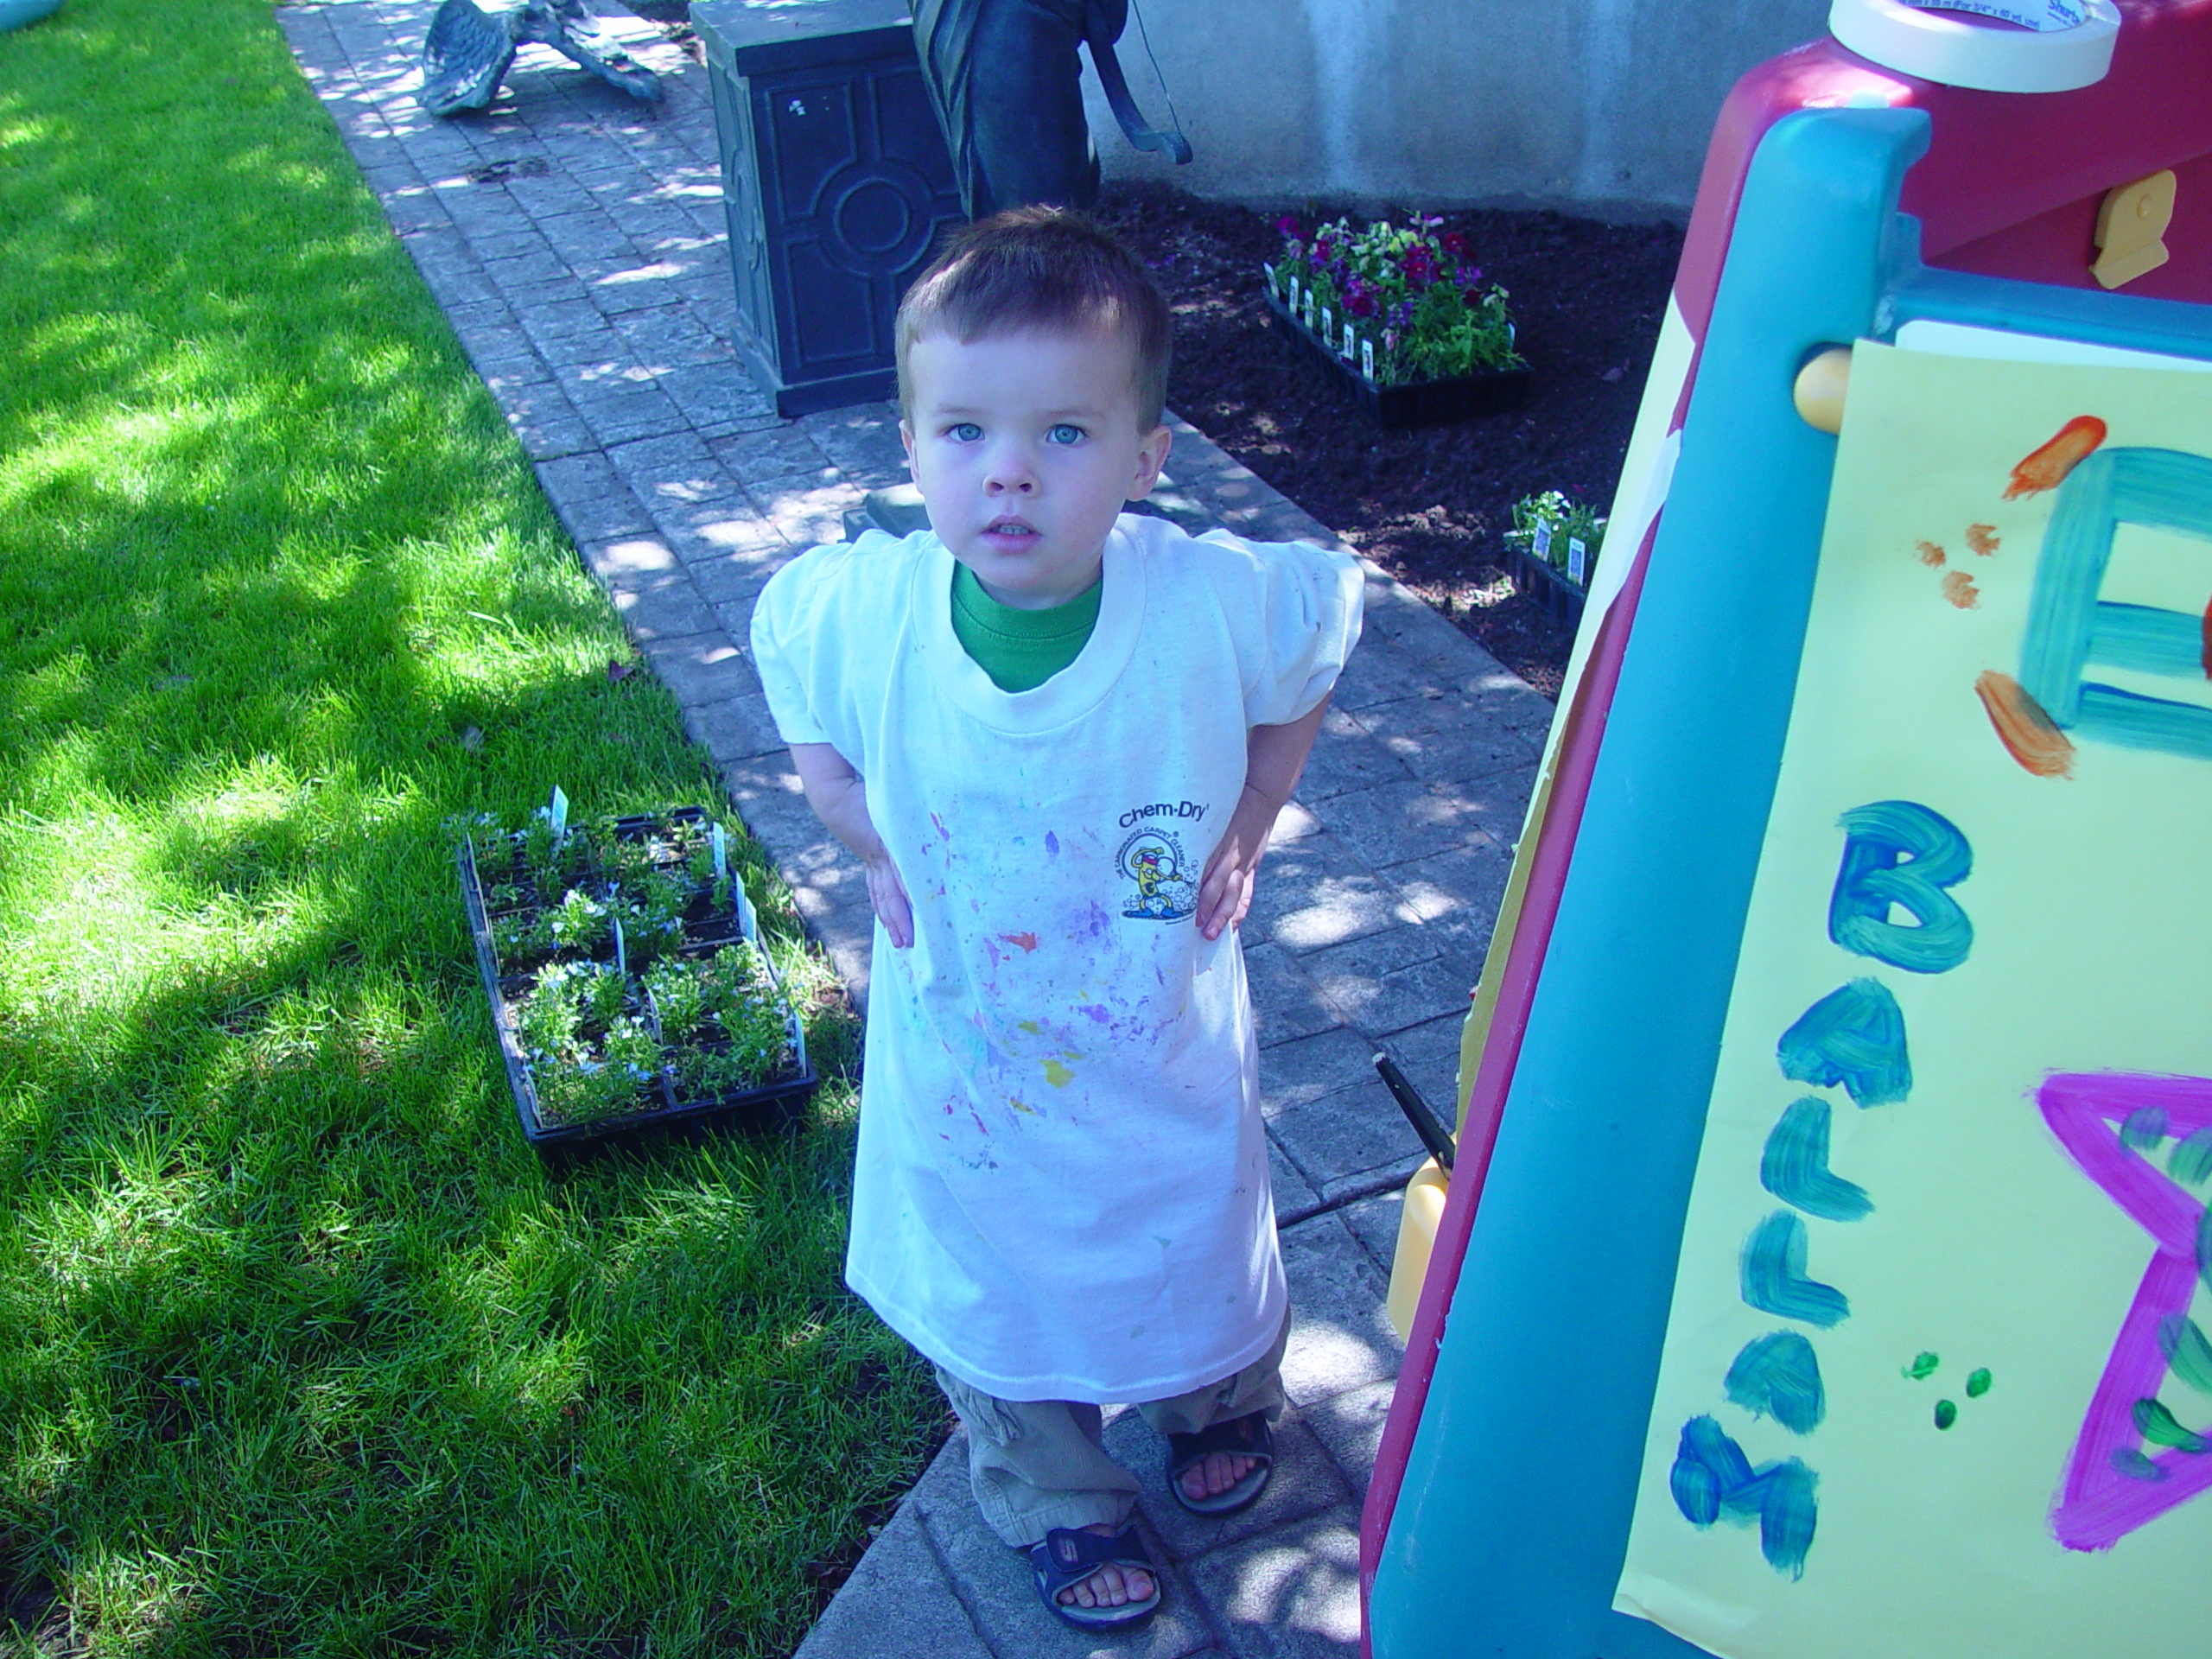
x,y
1217,1474
1109,1586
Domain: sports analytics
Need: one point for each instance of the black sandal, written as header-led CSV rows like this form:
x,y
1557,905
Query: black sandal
x,y
1067,1557
1240,1437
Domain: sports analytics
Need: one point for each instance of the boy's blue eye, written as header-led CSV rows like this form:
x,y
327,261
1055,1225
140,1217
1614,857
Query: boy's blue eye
x,y
1064,433
964,432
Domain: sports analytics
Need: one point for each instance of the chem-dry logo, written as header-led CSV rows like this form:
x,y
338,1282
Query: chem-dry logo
x,y
1167,889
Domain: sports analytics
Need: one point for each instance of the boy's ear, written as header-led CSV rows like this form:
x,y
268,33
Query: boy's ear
x,y
1152,455
907,438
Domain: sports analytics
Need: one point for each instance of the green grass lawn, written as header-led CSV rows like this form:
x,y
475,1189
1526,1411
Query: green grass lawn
x,y
300,1350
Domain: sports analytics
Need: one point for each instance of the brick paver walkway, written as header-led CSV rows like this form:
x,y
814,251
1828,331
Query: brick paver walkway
x,y
576,239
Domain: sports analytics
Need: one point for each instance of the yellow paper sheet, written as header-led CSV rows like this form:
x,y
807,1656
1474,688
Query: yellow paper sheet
x,y
1989,1247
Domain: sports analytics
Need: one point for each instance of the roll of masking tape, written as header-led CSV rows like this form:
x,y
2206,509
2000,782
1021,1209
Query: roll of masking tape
x,y
1957,50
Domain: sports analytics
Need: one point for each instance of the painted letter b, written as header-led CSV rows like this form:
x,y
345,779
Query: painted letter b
x,y
1899,852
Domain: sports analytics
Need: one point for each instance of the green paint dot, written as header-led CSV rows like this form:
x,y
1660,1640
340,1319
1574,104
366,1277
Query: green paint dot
x,y
1922,1367
1946,1413
1978,1384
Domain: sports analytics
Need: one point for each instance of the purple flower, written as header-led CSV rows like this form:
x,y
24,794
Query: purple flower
x,y
1420,265
1359,299
1401,314
1454,243
1286,225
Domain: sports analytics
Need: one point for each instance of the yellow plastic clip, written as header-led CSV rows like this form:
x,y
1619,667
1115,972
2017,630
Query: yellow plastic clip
x,y
2132,228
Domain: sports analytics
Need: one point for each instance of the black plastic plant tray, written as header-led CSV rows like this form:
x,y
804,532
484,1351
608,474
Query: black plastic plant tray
x,y
770,1106
1421,402
1549,588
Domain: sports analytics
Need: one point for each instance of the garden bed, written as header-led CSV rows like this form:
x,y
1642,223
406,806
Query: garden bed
x,y
1430,505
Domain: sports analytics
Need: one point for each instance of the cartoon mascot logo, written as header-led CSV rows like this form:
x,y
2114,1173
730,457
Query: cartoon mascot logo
x,y
1153,859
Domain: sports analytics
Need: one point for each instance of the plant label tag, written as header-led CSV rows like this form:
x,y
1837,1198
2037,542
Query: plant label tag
x,y
1367,358
1541,541
722,853
1348,339
1328,321
1292,292
558,812
1270,269
1309,308
621,953
1578,560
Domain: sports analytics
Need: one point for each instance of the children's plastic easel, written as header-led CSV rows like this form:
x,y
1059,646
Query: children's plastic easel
x,y
1844,198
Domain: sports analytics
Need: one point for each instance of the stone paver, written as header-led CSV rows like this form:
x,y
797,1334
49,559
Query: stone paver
x,y
575,240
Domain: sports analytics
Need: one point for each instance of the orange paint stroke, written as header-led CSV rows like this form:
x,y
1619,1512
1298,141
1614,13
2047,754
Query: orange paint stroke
x,y
2047,467
1027,941
1929,553
1983,539
1959,588
2029,735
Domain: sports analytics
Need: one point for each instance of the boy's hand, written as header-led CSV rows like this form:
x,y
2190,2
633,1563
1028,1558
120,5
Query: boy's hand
x,y
1225,889
1273,756
887,894
839,797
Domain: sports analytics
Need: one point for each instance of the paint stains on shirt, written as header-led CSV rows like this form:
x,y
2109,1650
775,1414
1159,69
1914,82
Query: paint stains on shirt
x,y
1025,941
1983,539
1959,588
1929,553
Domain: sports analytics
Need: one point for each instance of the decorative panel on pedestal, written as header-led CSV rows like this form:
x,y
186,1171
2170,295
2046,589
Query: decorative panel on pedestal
x,y
835,179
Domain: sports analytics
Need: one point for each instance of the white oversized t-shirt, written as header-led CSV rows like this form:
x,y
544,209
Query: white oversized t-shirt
x,y
1061,1189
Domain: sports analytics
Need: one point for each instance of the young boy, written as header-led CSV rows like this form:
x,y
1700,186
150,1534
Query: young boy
x,y
1057,738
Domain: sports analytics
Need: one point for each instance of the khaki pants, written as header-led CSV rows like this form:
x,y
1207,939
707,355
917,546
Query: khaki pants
x,y
1036,1465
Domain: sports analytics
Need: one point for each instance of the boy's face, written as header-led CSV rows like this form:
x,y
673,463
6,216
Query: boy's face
x,y
1025,447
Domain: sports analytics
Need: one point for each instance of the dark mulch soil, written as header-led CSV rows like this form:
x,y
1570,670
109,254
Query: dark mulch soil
x,y
1429,505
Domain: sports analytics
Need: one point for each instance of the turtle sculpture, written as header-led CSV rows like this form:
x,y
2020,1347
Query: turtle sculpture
x,y
469,47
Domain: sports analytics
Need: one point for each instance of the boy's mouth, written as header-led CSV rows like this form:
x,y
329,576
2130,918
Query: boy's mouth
x,y
1017,529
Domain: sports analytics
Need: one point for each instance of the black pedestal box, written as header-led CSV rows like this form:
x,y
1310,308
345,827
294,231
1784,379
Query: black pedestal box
x,y
835,179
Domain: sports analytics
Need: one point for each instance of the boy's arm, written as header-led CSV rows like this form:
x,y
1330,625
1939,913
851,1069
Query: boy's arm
x,y
1273,756
839,797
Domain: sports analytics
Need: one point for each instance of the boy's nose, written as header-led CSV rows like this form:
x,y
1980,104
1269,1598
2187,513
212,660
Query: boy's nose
x,y
1009,472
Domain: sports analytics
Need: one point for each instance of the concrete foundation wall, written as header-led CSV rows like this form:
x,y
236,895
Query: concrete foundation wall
x,y
1597,106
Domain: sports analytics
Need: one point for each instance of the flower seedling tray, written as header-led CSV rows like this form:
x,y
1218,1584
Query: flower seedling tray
x,y
1419,403
1548,585
662,1109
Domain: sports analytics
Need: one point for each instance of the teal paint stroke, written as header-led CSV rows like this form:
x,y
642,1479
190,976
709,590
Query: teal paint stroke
x,y
1778,1375
1853,1036
1901,854
1712,1478
1795,1166
2187,1351
1774,1278
2190,1161
2068,626
2159,1427
2145,1127
2148,640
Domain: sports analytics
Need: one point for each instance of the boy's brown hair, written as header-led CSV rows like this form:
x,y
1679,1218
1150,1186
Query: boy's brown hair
x,y
1041,267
